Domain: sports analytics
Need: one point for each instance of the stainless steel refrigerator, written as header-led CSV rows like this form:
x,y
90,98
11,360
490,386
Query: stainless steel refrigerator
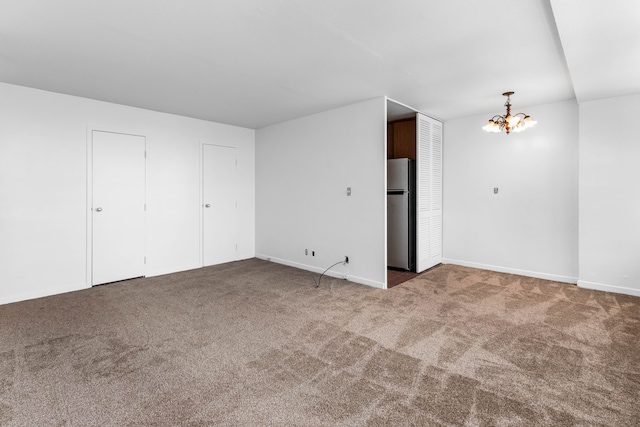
x,y
401,214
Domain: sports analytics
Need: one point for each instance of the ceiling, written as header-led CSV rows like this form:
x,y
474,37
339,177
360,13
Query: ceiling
x,y
253,63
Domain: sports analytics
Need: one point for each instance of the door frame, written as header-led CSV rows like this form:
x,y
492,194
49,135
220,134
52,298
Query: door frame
x,y
89,194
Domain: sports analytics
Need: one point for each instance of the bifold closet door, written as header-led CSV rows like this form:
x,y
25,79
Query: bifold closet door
x,y
219,196
429,192
118,206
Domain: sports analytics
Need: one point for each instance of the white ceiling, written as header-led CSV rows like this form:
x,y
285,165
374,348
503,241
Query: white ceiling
x,y
253,63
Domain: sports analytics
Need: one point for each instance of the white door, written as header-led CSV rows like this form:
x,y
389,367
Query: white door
x,y
118,207
219,204
429,192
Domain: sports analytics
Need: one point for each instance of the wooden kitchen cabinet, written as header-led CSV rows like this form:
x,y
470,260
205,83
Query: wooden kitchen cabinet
x,y
401,139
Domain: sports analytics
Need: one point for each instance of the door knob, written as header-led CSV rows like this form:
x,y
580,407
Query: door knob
x,y
207,205
98,209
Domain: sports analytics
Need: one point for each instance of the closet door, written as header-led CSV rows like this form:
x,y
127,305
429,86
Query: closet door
x,y
220,188
429,192
118,213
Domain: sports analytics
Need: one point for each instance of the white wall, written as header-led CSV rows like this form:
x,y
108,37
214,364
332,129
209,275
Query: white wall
x,y
610,195
43,187
531,226
303,168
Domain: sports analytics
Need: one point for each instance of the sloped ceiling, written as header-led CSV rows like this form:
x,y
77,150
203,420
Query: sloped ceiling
x,y
601,41
253,63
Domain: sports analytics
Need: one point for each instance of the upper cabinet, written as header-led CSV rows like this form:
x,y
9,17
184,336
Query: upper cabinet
x,y
401,139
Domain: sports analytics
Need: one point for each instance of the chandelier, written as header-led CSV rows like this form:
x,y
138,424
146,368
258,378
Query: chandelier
x,y
508,123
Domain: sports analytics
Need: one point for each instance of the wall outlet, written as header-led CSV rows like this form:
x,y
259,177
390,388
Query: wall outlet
x,y
346,259
306,251
313,253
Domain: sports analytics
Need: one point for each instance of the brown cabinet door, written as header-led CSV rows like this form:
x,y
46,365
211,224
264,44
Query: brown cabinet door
x,y
404,139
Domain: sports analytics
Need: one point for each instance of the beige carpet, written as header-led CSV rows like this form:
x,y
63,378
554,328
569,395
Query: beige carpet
x,y
254,343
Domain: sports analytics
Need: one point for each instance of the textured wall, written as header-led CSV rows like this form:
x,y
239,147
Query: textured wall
x,y
610,195
303,168
43,187
531,225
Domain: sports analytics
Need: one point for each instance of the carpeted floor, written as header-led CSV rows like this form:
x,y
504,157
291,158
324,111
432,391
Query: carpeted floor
x,y
254,343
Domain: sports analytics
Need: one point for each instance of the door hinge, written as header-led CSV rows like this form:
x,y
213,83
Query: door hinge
x,y
145,260
236,246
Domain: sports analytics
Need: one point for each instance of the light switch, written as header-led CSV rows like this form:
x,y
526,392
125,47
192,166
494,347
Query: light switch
x,y
348,191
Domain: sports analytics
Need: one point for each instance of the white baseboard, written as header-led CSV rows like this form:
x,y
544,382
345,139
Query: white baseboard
x,y
185,267
536,274
8,299
608,288
319,270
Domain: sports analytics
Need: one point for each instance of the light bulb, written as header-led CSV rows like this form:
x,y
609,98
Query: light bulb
x,y
513,121
528,122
